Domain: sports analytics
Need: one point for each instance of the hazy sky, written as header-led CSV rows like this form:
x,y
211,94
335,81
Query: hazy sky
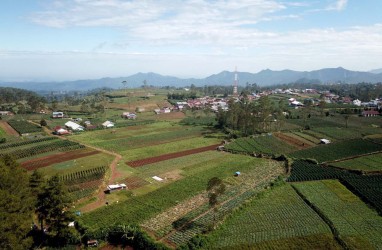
x,y
81,39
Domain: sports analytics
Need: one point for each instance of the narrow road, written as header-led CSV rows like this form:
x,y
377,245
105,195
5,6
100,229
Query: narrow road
x,y
114,174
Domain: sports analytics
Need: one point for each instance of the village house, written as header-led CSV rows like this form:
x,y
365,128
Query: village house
x,y
58,130
108,124
58,115
369,113
181,105
74,126
4,113
357,102
129,115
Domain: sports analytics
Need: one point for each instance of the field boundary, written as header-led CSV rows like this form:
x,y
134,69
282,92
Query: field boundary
x,y
146,161
323,217
56,158
8,129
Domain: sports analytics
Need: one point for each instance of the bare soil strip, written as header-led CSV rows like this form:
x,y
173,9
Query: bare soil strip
x,y
56,158
142,162
292,141
8,129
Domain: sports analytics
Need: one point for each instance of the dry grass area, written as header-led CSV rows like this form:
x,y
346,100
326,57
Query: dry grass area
x,y
174,213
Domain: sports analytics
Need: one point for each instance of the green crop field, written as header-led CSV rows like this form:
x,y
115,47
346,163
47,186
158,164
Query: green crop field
x,y
339,133
308,137
268,221
338,150
82,163
136,209
2,133
357,225
266,144
169,147
365,163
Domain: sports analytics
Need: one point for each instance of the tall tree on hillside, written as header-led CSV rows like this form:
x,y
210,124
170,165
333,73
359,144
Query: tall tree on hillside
x,y
16,206
52,209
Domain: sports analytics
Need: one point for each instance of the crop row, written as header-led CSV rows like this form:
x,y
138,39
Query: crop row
x,y
202,223
338,150
267,144
346,215
140,208
83,175
367,187
60,145
82,193
24,127
147,140
279,213
26,142
308,171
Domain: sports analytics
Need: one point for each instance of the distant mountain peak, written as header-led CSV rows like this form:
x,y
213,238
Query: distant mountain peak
x,y
265,77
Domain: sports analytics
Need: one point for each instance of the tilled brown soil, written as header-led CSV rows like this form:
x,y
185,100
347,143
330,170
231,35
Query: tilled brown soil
x,y
56,158
7,128
142,162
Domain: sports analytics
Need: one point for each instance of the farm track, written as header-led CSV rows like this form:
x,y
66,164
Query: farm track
x,y
56,158
108,179
8,129
142,162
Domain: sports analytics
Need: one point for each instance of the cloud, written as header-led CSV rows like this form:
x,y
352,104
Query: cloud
x,y
339,5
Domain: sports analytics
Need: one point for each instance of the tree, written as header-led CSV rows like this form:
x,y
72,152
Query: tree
x,y
16,206
215,188
36,182
52,209
43,123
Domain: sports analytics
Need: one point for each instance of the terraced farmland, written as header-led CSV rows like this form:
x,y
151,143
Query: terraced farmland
x,y
269,220
338,150
140,208
24,127
366,163
357,225
266,144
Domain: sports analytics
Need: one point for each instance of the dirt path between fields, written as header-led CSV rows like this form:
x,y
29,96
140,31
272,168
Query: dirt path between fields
x,y
109,179
114,174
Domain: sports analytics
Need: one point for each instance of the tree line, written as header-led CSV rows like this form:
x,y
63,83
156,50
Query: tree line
x,y
247,118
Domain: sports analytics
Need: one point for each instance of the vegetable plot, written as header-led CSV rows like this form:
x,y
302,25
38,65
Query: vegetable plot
x,y
24,127
347,213
279,215
338,150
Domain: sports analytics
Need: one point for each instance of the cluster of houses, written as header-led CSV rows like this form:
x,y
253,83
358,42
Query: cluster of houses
x,y
5,113
73,125
198,103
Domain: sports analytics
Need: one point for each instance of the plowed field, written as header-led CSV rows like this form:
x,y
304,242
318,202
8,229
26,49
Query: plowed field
x,y
293,141
56,158
150,160
8,129
135,182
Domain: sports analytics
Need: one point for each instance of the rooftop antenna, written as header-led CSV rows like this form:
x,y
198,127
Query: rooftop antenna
x,y
235,83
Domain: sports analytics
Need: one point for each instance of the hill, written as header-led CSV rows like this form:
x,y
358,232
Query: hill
x,y
263,78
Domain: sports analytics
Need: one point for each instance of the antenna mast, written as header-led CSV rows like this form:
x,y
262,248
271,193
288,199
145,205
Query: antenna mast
x,y
235,84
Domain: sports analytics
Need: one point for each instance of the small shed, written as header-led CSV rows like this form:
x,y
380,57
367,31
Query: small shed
x,y
114,187
324,141
108,124
237,173
58,115
74,126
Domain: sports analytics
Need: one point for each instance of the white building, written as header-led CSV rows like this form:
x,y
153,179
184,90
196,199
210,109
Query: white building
x,y
74,126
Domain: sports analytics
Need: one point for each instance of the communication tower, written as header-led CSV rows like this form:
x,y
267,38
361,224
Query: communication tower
x,y
235,83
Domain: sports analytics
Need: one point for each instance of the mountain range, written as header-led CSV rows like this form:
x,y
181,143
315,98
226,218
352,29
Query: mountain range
x,y
263,78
